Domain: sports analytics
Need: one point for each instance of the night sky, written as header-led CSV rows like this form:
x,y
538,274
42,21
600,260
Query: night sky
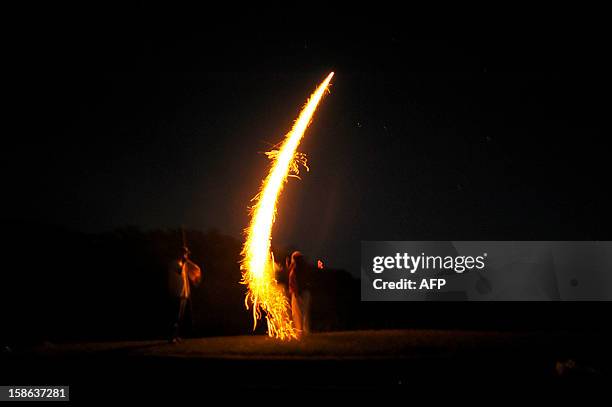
x,y
478,139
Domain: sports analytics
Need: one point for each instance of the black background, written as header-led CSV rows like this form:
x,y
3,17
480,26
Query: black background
x,y
156,124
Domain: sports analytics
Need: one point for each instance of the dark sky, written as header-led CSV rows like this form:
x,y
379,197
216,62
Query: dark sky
x,y
473,139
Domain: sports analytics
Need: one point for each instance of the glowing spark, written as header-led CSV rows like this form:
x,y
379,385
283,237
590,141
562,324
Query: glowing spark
x,y
264,294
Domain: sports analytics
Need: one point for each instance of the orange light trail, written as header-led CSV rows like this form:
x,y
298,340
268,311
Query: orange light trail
x,y
264,295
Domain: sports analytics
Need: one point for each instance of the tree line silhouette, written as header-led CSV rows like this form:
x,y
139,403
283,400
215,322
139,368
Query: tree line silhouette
x,y
61,285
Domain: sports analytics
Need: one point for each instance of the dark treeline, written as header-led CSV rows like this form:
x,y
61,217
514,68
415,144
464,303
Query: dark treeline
x,y
63,285
60,285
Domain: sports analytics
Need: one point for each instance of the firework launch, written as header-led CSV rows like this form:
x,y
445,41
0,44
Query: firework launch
x,y
264,296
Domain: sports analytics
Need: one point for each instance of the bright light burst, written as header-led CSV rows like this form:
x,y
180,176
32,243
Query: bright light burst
x,y
264,295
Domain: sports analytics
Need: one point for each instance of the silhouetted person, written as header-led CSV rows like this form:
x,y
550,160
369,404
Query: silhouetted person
x,y
300,295
185,272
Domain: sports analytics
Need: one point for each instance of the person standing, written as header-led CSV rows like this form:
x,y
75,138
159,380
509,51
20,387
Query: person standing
x,y
185,272
300,295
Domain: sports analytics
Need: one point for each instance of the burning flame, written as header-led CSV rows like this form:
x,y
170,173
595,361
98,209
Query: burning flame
x,y
264,294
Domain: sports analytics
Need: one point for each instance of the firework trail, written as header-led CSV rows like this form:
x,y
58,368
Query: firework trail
x,y
264,295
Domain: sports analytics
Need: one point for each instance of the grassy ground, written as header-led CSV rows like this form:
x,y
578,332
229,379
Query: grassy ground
x,y
392,344
388,359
